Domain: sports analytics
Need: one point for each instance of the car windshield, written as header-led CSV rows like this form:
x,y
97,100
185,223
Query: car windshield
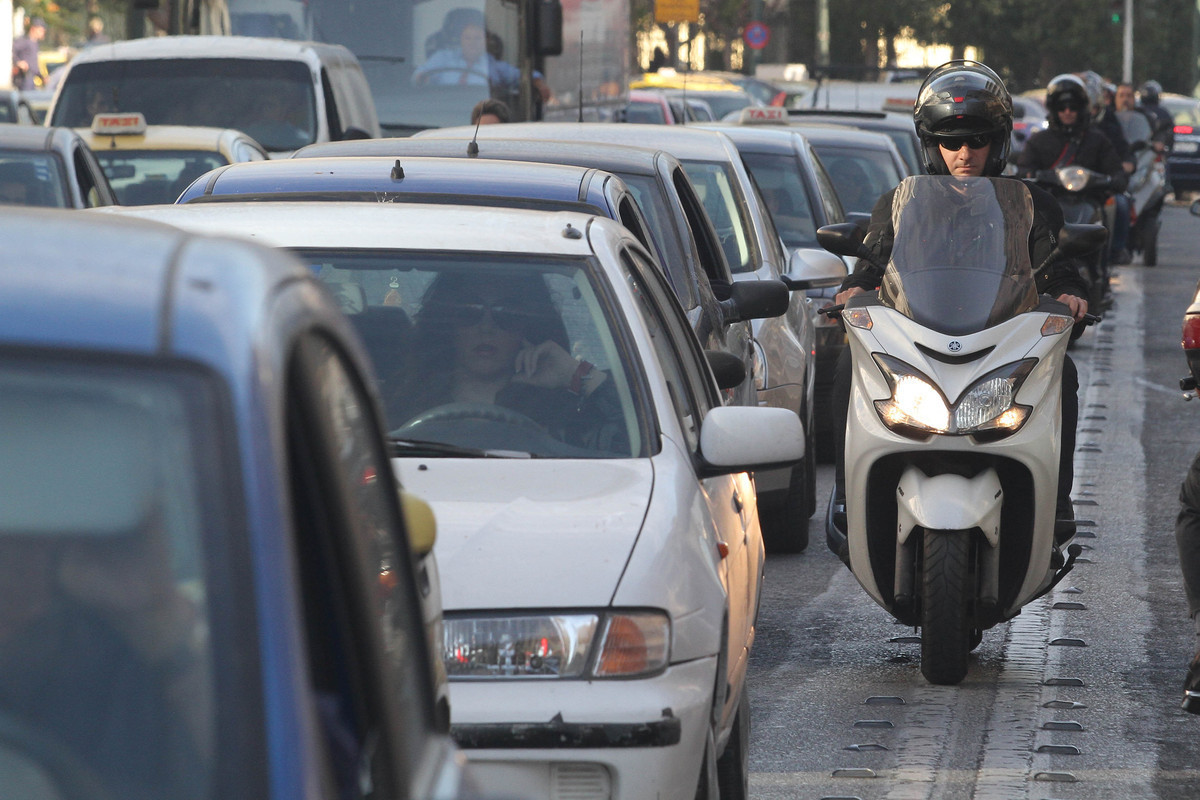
x,y
113,525
491,353
861,175
32,179
714,184
960,262
270,100
144,177
786,195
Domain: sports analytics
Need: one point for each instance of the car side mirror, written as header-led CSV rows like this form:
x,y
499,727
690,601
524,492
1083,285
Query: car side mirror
x,y
727,368
755,300
1196,208
420,523
809,268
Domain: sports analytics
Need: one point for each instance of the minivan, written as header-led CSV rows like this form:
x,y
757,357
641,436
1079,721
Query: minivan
x,y
284,94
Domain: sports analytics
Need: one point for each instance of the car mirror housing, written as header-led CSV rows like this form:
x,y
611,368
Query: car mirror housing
x,y
420,522
755,300
746,438
809,268
727,368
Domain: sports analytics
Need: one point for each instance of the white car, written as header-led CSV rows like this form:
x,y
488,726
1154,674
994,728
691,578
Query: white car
x,y
598,533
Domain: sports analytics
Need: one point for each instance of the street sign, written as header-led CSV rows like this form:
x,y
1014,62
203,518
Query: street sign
x,y
676,10
756,35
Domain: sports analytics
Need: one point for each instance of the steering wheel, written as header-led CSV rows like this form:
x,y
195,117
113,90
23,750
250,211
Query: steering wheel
x,y
452,412
69,775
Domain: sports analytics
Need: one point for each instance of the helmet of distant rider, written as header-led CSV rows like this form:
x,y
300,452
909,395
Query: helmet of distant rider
x,y
1068,90
1149,91
1095,89
962,98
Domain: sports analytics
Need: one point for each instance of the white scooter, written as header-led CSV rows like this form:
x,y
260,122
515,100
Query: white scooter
x,y
953,432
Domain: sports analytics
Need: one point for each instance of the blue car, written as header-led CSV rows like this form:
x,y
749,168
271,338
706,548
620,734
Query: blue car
x,y
206,585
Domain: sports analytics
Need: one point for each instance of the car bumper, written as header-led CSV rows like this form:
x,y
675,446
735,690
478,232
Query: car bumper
x,y
597,740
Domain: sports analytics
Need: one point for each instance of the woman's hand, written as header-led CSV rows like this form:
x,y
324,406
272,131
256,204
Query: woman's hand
x,y
547,365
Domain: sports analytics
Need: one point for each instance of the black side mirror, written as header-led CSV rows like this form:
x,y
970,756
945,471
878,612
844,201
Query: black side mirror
x,y
1078,239
354,132
755,300
727,368
843,239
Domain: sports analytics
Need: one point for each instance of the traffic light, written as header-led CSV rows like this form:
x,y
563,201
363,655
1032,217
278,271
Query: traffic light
x,y
1117,8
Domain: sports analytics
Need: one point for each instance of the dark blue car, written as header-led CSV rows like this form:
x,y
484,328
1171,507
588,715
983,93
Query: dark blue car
x,y
206,586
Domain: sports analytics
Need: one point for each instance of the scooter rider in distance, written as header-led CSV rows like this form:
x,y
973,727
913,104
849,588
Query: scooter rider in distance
x,y
1071,139
963,115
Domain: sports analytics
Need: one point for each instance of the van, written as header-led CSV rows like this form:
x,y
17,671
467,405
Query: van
x,y
282,93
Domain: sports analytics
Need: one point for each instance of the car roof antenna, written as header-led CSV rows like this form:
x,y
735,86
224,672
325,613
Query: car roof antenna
x,y
473,146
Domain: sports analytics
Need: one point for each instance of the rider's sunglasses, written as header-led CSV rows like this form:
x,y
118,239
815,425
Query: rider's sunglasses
x,y
977,141
504,314
1068,105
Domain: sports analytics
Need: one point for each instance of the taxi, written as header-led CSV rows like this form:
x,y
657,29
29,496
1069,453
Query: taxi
x,y
148,164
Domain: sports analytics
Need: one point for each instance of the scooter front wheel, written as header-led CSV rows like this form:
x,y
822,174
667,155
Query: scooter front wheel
x,y
946,601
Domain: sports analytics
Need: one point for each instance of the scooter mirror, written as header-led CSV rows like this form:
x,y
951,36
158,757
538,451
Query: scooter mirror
x,y
843,239
1079,239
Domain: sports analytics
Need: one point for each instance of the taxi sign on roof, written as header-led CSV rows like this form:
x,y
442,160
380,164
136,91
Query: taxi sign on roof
x,y
119,123
752,115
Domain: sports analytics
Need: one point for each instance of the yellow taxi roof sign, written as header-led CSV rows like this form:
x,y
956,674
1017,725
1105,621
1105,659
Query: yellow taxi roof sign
x,y
763,115
124,123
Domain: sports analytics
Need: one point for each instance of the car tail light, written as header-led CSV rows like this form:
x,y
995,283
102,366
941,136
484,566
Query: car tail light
x,y
1191,332
1187,130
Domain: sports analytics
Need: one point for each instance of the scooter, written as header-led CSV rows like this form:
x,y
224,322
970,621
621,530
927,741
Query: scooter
x,y
1075,188
1148,189
953,433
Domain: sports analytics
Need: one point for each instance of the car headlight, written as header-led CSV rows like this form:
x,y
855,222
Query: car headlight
x,y
918,408
611,644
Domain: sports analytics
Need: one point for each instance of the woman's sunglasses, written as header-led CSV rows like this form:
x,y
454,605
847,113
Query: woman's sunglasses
x,y
506,317
955,143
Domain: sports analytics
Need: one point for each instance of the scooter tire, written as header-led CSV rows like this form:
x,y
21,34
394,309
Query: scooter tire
x,y
1150,241
946,600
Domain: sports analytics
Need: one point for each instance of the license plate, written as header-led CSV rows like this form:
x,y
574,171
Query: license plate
x,y
1186,147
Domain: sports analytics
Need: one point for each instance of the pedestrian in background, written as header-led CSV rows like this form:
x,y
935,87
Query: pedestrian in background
x,y
26,67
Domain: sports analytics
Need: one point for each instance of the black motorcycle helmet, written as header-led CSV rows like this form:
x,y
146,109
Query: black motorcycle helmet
x,y
1150,91
1067,89
962,98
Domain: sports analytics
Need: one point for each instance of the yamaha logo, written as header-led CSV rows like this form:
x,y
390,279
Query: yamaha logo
x,y
954,346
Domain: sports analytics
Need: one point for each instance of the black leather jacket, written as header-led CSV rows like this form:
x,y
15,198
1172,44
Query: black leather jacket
x,y
1051,148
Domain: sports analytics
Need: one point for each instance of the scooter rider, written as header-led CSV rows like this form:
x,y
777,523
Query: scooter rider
x,y
963,115
1071,139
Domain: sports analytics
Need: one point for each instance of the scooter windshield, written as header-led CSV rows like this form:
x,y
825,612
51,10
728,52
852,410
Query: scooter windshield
x,y
960,262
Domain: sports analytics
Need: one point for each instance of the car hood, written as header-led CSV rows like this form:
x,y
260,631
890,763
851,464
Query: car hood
x,y
531,533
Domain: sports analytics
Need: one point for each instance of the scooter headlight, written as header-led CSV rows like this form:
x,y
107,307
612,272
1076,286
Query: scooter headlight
x,y
987,407
1073,179
916,407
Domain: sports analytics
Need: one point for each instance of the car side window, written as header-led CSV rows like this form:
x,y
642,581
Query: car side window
x,y
362,607
829,195
85,172
693,392
712,257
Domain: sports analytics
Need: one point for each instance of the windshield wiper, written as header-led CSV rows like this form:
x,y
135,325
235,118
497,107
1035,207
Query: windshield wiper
x,y
401,448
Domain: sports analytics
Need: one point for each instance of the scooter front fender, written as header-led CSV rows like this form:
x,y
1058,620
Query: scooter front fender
x,y
949,503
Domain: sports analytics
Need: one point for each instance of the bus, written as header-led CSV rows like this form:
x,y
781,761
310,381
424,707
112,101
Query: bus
x,y
546,59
